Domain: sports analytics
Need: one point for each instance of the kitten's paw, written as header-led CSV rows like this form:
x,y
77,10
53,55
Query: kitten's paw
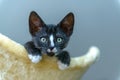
x,y
35,58
63,60
62,66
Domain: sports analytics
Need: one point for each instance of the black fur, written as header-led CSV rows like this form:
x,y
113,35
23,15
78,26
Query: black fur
x,y
41,31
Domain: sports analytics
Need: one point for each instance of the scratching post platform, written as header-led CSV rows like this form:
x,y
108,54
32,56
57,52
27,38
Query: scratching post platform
x,y
15,65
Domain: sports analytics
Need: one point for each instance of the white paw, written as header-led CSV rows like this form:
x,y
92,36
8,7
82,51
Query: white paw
x,y
35,58
62,66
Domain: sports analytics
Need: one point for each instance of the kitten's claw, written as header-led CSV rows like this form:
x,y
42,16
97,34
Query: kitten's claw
x,y
62,66
35,58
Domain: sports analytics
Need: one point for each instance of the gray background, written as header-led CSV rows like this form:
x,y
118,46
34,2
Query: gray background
x,y
97,23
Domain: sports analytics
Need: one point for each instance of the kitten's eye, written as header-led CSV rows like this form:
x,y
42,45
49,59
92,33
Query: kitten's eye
x,y
43,39
59,40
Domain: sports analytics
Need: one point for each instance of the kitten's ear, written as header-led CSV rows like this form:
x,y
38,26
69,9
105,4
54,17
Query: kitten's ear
x,y
67,24
35,23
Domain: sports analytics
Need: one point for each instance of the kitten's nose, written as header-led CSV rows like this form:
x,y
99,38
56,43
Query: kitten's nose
x,y
51,48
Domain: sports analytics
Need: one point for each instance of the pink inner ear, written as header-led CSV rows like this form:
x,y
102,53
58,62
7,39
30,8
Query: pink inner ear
x,y
66,22
35,25
36,22
67,25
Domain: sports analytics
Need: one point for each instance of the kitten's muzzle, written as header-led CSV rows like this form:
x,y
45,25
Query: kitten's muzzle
x,y
51,48
50,54
51,51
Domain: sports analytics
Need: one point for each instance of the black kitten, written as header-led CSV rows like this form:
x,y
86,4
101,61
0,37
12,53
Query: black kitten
x,y
49,39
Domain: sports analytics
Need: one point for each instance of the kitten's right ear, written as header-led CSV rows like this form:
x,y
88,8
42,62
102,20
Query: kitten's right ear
x,y
67,24
35,23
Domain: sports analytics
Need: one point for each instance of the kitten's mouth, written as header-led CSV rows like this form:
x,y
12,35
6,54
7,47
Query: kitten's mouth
x,y
50,54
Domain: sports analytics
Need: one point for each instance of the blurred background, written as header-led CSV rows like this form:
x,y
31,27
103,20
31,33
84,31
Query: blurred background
x,y
97,22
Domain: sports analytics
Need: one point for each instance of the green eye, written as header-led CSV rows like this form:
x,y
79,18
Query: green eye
x,y
43,39
59,40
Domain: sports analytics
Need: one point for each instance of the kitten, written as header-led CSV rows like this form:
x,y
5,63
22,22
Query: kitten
x,y
49,39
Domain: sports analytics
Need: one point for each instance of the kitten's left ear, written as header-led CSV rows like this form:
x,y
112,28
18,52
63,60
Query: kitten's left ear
x,y
67,24
35,23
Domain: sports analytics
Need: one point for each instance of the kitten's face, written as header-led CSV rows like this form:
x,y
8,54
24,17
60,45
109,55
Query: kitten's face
x,y
50,39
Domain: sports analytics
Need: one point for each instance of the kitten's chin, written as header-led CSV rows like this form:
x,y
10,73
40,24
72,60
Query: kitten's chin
x,y
51,54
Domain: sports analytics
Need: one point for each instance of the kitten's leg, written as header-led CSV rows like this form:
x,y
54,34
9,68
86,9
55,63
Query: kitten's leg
x,y
34,54
63,60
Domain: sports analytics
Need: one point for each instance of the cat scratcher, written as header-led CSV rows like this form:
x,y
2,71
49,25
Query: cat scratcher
x,y
15,65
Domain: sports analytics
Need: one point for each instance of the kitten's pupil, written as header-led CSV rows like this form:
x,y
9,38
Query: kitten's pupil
x,y
59,40
43,39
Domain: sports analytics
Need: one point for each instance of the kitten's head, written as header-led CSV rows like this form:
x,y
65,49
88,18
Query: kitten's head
x,y
50,38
